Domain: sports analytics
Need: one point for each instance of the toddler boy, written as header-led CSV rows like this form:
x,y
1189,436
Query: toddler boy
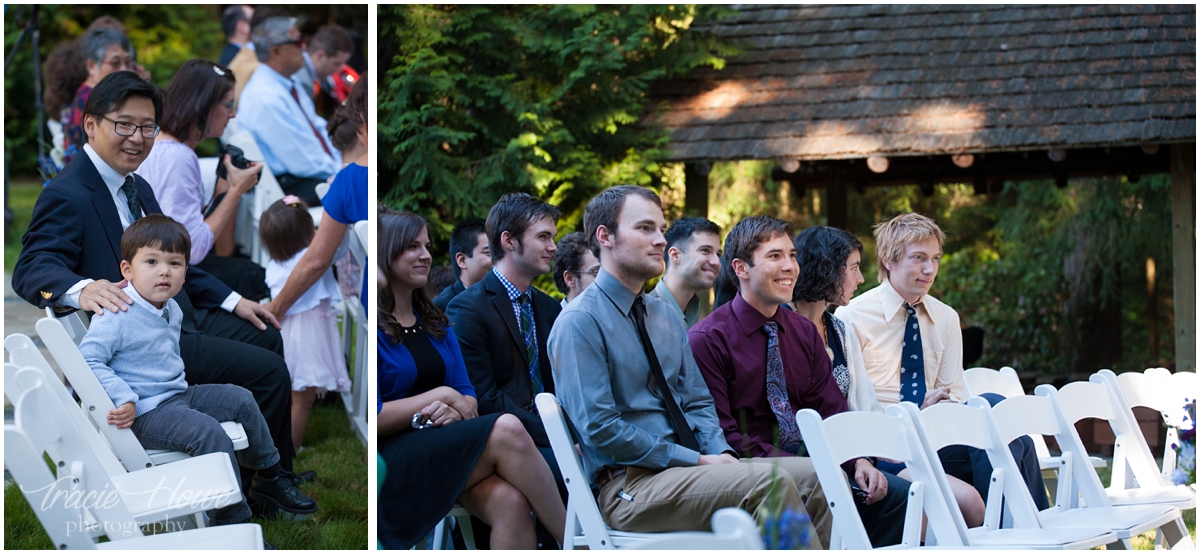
x,y
135,355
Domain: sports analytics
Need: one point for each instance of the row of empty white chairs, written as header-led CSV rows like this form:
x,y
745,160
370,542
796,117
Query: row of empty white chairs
x,y
1085,515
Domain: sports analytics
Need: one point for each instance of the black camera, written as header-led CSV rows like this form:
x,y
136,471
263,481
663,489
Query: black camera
x,y
236,157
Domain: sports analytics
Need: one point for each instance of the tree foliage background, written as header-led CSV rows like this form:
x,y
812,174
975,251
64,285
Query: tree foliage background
x,y
477,101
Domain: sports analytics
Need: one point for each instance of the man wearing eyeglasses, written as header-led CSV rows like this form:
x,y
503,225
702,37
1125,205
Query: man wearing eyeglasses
x,y
693,260
70,258
282,119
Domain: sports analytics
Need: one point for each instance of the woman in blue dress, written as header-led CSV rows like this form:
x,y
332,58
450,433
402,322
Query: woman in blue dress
x,y
437,448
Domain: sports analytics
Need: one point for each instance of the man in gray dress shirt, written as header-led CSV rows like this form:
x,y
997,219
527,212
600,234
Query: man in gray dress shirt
x,y
647,480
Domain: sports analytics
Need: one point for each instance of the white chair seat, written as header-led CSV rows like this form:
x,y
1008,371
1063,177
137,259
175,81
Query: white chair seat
x,y
243,536
1180,496
1125,521
1036,539
157,492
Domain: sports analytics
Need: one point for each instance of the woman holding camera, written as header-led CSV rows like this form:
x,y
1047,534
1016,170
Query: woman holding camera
x,y
198,104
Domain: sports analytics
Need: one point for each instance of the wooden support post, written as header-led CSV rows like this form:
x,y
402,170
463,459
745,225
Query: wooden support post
x,y
1183,225
695,196
835,198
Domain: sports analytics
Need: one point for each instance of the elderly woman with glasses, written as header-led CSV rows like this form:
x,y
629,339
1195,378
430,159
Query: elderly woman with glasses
x,y
107,51
198,105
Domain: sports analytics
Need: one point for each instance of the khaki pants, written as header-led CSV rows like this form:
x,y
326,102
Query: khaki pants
x,y
685,498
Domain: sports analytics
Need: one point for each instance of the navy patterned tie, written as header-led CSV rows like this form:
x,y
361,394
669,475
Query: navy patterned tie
x,y
131,196
531,346
777,397
912,362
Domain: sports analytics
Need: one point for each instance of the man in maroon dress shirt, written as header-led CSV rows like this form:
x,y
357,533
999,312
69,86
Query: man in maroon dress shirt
x,y
762,363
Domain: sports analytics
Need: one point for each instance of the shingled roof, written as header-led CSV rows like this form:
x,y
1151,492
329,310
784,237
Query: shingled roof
x,y
838,82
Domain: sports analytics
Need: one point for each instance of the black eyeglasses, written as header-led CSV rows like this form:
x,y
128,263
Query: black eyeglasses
x,y
127,129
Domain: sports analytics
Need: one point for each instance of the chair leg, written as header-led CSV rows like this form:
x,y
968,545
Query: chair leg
x,y
468,531
1174,535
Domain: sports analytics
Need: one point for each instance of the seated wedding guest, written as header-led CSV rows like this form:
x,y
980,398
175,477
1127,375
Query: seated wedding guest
x,y
245,61
829,261
282,120
325,53
198,104
345,205
235,24
344,134
751,340
70,255
912,345
693,260
135,356
440,278
470,259
428,421
106,51
574,266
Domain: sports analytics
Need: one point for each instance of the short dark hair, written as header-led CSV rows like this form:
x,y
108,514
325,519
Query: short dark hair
x,y
745,237
605,209
331,39
514,213
231,17
286,229
822,253
191,96
112,92
156,231
681,231
569,258
465,238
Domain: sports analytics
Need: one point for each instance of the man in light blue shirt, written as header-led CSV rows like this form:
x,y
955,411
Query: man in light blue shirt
x,y
282,119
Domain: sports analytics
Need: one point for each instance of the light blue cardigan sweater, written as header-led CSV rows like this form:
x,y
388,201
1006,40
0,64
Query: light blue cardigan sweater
x,y
135,353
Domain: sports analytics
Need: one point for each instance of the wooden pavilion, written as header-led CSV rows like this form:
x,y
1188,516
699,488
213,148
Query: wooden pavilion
x,y
866,95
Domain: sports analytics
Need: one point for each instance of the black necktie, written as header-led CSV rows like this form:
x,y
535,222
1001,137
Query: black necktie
x,y
912,360
131,196
682,430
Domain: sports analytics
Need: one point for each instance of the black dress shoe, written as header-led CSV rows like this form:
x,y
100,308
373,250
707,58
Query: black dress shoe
x,y
304,477
279,492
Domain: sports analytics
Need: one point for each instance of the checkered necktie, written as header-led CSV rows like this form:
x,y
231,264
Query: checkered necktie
x,y
131,196
777,397
912,360
531,346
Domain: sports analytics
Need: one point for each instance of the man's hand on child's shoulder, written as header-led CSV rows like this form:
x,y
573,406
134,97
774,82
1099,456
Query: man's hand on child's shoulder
x,y
123,416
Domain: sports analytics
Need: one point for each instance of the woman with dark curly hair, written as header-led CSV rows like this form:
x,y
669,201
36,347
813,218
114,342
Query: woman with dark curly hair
x,y
829,261
429,427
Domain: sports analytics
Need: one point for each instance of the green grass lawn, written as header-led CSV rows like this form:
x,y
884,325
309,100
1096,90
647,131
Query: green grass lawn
x,y
22,193
331,449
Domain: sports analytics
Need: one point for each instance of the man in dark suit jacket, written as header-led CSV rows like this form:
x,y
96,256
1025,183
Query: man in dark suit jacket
x,y
504,351
71,255
472,259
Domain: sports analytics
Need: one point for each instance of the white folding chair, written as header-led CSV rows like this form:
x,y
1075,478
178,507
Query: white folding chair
x,y
733,529
65,350
850,435
208,177
1160,390
355,325
152,495
440,538
34,430
948,424
585,526
1100,398
1006,383
1041,414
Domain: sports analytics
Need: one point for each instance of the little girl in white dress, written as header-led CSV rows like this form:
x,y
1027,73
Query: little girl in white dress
x,y
312,347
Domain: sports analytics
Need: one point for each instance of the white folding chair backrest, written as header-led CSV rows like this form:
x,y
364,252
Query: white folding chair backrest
x,y
91,392
322,189
35,428
733,529
1165,392
947,424
583,515
265,193
72,322
1096,398
23,353
985,379
208,177
849,435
